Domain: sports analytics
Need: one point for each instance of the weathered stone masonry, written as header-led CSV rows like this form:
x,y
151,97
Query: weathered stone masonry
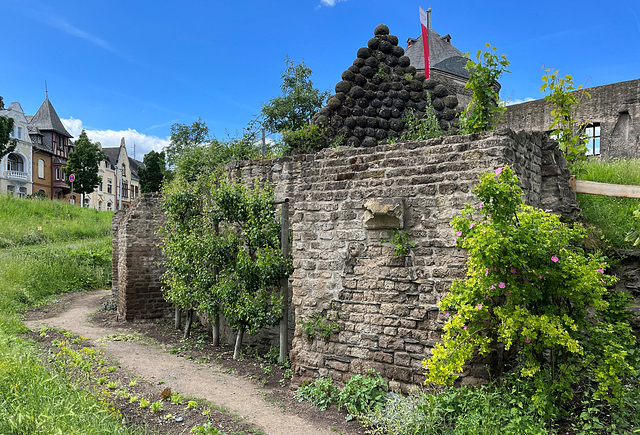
x,y
386,306
137,260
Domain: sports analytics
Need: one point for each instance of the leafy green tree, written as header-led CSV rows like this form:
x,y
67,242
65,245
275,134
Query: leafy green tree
x,y
185,138
565,128
7,144
251,263
532,294
84,163
297,104
195,153
153,172
222,245
484,109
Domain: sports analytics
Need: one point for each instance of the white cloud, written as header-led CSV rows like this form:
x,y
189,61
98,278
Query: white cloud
x,y
512,101
330,3
111,138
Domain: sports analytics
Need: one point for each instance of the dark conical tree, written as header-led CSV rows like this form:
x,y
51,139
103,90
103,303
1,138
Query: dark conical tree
x,y
84,163
152,174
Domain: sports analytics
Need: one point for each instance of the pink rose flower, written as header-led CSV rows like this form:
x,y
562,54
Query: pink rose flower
x,y
498,171
481,206
479,306
513,270
493,287
502,285
458,233
600,270
527,340
554,259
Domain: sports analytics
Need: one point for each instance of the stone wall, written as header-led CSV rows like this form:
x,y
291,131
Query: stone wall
x,y
615,107
137,260
342,202
386,306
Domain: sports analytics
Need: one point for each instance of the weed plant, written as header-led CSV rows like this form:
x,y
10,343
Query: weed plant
x,y
614,216
36,401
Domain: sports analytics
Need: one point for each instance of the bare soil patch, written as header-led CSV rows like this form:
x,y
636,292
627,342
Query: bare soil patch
x,y
155,355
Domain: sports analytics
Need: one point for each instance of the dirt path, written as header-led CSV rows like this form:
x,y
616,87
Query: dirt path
x,y
187,377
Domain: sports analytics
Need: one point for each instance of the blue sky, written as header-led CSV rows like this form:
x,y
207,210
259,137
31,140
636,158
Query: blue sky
x,y
135,68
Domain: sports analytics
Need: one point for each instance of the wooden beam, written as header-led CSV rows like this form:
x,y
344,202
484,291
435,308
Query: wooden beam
x,y
604,189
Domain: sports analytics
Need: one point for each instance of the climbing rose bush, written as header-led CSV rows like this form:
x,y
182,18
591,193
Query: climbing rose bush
x,y
532,298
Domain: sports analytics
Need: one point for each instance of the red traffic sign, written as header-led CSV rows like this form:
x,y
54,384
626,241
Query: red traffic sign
x,y
72,178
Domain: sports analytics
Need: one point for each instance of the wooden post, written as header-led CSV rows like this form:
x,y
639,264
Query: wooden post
x,y
284,285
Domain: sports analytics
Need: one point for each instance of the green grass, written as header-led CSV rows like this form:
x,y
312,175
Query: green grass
x,y
38,221
71,253
614,216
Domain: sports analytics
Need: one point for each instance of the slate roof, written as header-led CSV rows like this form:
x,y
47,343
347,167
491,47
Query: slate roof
x,y
46,119
112,154
443,55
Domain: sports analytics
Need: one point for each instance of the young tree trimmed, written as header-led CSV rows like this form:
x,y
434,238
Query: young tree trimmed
x,y
484,109
7,144
565,128
84,163
534,299
297,104
153,172
251,262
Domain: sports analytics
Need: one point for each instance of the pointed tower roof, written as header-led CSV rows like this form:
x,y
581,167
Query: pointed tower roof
x,y
46,118
443,55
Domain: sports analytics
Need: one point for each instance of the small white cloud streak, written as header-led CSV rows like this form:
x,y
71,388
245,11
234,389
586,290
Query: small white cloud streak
x,y
111,138
330,3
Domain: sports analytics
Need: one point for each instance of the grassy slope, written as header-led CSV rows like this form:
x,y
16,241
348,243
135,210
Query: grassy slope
x,y
71,252
614,216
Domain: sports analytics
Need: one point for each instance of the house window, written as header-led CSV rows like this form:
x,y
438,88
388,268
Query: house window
x,y
592,132
100,205
100,186
125,190
11,190
109,206
23,192
15,163
40,168
19,130
58,174
109,185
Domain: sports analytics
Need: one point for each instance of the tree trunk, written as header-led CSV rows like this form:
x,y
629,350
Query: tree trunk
x,y
236,350
215,329
187,326
177,317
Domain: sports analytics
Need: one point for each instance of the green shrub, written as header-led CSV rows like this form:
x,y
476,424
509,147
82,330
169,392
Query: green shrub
x,y
321,393
362,393
532,291
320,325
304,140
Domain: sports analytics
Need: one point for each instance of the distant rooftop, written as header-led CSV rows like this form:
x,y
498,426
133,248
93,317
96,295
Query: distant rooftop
x,y
443,56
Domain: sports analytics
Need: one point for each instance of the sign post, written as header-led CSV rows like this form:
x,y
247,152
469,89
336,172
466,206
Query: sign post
x,y
72,178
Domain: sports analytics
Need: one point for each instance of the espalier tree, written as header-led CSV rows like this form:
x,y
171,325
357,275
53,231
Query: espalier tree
x,y
223,253
484,110
563,102
534,299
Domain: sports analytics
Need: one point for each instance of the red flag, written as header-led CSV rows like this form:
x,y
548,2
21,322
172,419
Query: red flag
x,y
424,19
